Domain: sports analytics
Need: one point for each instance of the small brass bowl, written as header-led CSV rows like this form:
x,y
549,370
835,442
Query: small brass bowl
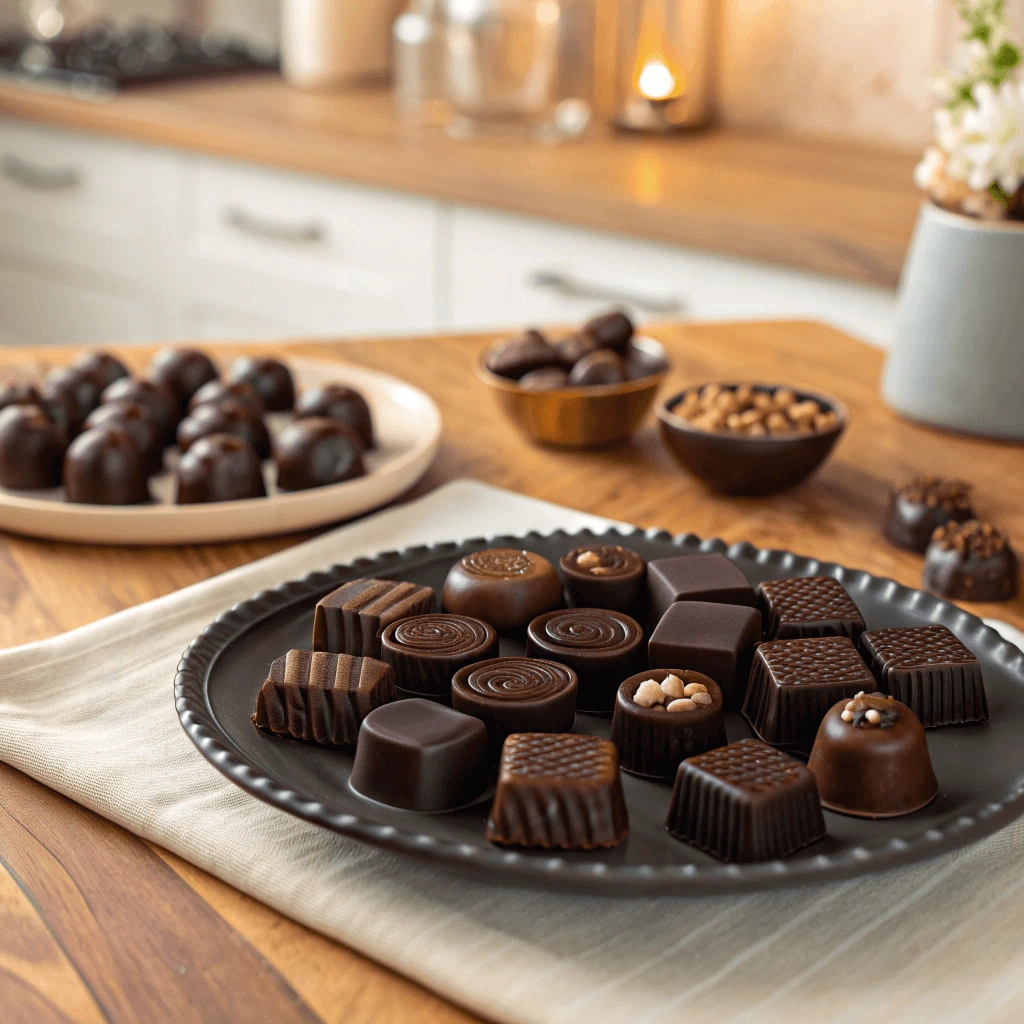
x,y
588,417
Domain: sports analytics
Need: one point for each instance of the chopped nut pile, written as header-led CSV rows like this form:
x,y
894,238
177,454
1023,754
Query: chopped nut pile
x,y
671,690
973,538
932,491
745,410
865,714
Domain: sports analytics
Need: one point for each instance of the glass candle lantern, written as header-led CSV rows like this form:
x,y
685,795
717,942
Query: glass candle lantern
x,y
663,64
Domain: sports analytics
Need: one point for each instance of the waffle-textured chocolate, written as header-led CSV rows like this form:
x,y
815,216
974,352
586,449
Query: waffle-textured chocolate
x,y
806,606
321,697
558,791
745,802
793,683
929,670
351,619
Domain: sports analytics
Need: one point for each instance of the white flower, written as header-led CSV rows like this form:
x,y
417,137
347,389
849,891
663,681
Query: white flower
x,y
931,164
985,143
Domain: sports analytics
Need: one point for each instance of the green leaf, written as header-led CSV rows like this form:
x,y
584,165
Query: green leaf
x,y
1007,57
1000,195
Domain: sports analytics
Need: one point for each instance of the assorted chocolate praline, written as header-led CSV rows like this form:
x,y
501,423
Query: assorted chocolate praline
x,y
20,393
219,467
224,417
970,561
104,466
338,402
238,391
270,378
102,367
808,606
183,371
32,449
602,576
138,421
74,392
697,577
316,452
917,509
158,398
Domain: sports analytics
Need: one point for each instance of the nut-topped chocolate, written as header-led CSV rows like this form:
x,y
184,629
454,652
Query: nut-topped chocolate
x,y
603,576
970,561
870,759
602,647
929,670
807,606
744,803
663,715
506,587
919,507
560,792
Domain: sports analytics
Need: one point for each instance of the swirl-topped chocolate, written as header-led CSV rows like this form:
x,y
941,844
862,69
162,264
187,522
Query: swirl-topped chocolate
x,y
426,650
503,586
516,695
602,647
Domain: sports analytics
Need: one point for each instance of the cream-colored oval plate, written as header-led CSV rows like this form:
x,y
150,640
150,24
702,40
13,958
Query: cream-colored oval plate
x,y
408,429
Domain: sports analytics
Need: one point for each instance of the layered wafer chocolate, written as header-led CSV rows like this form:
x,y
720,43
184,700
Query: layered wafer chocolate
x,y
807,606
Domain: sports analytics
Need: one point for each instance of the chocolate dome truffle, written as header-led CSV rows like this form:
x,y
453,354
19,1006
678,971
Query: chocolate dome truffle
x,y
104,466
159,399
518,356
918,508
612,330
970,561
217,390
316,452
102,367
20,393
220,467
600,367
183,370
225,417
271,379
603,576
31,449
75,393
503,586
138,421
338,402
870,759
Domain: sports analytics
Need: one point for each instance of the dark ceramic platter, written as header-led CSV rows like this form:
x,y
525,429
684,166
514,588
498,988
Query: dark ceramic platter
x,y
980,767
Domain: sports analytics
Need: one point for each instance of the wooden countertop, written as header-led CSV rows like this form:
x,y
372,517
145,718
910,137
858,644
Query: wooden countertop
x,y
834,209
88,912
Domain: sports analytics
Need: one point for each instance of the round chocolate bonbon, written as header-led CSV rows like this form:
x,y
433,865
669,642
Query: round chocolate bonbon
x,y
31,449
159,399
519,355
549,378
427,650
104,466
506,587
970,561
224,417
271,379
600,367
918,508
602,647
138,421
102,367
21,393
574,347
183,370
239,391
338,402
603,576
220,467
612,330
74,391
317,452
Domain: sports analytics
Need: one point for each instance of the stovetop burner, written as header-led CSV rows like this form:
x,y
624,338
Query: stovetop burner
x,y
107,59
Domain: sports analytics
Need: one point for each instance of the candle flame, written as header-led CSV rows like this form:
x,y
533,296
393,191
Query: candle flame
x,y
656,73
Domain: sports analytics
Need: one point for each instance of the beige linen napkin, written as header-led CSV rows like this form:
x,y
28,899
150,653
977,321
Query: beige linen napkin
x,y
943,941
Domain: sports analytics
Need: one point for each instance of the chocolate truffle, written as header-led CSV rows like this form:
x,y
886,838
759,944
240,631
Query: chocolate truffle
x,y
930,671
918,508
160,401
550,378
183,371
420,756
21,393
104,466
321,697
224,417
138,421
602,647
217,390
558,792
711,578
744,803
794,682
663,715
338,402
870,759
970,561
427,650
75,392
516,695
102,367
641,364
316,453
612,330
603,576
808,606
31,449
573,348
351,619
271,379
519,355
600,367
219,467
716,639
502,586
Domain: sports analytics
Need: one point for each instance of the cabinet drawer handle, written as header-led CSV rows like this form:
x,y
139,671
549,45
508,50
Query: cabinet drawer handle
x,y
573,288
42,179
296,234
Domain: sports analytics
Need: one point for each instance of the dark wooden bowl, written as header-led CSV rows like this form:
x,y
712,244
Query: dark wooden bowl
x,y
733,463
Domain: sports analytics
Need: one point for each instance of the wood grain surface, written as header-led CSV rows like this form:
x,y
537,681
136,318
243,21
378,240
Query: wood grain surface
x,y
835,209
96,925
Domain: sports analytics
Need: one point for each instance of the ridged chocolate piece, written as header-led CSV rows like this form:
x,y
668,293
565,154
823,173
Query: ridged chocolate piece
x,y
559,792
516,695
745,802
427,650
929,670
603,576
793,683
320,697
712,578
602,647
350,620
653,740
807,606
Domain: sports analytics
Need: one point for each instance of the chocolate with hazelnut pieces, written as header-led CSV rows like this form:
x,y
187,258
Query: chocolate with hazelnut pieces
x,y
745,409
970,561
919,507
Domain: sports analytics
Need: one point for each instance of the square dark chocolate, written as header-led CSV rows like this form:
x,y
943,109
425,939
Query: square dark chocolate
x,y
712,578
930,671
806,606
745,802
793,683
716,639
